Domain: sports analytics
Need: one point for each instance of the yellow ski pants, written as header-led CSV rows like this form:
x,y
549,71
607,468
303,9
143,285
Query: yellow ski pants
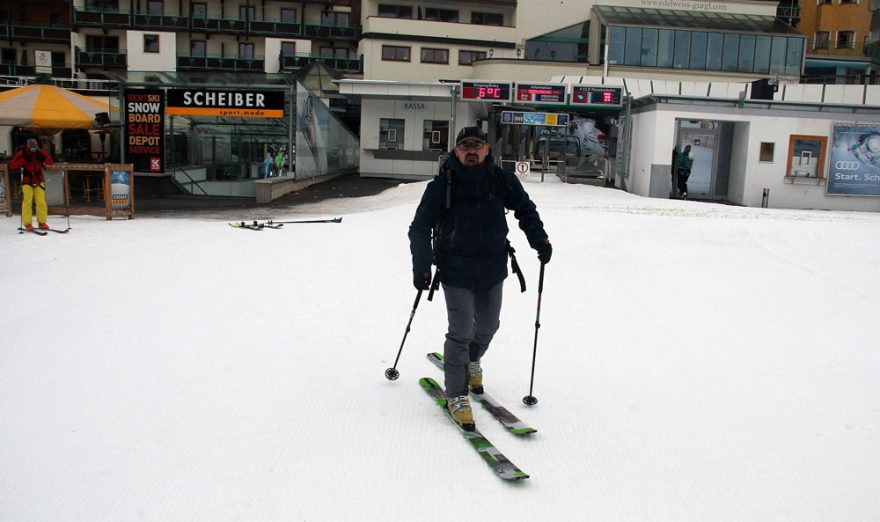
x,y
31,193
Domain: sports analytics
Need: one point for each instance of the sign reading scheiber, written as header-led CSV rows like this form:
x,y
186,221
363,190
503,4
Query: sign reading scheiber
x,y
216,102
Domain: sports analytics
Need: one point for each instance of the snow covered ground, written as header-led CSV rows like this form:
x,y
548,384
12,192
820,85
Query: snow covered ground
x,y
695,362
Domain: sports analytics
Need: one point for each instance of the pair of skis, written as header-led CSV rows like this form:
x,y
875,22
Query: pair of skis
x,y
501,465
261,225
43,231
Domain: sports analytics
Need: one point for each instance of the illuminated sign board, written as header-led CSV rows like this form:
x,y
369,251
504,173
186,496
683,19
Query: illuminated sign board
x,y
539,93
597,96
485,91
216,102
544,119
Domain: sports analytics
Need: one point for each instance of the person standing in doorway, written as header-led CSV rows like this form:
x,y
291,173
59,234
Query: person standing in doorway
x,y
464,207
31,161
683,165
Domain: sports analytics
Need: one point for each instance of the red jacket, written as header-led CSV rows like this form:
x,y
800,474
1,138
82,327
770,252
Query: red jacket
x,y
33,163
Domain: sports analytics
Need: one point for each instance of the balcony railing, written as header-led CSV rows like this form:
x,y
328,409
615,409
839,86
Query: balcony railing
x,y
204,63
124,20
852,79
35,33
113,59
348,65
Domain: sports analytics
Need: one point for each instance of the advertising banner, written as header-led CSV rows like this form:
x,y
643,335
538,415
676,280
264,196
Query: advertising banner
x,y
120,189
215,102
144,129
855,161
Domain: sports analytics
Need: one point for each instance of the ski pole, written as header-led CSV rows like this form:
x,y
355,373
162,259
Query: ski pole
x,y
530,399
66,197
391,373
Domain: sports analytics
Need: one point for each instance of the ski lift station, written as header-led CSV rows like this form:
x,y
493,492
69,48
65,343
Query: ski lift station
x,y
755,144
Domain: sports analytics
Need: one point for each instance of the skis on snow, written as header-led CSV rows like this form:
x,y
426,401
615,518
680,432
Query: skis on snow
x,y
502,414
253,225
500,464
260,225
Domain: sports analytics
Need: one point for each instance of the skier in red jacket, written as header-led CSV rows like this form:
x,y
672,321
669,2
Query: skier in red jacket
x,y
31,160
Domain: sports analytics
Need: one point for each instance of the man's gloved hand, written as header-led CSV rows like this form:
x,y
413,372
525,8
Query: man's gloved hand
x,y
545,250
422,281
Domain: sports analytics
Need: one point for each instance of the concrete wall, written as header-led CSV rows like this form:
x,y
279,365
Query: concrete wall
x,y
138,60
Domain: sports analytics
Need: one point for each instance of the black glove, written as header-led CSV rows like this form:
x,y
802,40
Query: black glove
x,y
545,250
422,281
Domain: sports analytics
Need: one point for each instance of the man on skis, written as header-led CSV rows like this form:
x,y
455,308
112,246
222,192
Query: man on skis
x,y
465,206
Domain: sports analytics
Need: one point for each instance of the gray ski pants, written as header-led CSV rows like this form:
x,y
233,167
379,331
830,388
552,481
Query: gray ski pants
x,y
473,321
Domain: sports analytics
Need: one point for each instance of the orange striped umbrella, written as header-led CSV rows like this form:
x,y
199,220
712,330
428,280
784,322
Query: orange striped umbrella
x,y
49,107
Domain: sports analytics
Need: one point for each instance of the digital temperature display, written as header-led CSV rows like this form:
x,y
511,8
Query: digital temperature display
x,y
485,91
599,96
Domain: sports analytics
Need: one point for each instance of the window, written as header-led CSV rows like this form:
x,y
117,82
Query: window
x,y
246,50
842,2
154,7
199,10
197,48
393,53
335,18
334,52
729,52
151,43
55,20
57,59
820,2
288,16
806,156
469,57
633,50
435,135
104,5
698,50
680,59
435,55
746,60
649,47
390,134
99,44
288,49
441,15
7,56
766,153
395,11
487,18
821,40
247,12
846,39
665,47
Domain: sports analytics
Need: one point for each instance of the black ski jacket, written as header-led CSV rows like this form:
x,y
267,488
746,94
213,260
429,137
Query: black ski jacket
x,y
471,238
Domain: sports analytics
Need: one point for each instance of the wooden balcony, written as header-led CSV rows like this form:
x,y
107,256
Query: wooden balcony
x,y
344,65
113,59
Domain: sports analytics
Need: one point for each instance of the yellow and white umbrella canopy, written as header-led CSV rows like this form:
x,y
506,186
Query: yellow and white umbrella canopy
x,y
49,107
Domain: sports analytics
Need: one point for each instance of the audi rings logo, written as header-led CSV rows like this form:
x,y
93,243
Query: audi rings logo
x,y
846,165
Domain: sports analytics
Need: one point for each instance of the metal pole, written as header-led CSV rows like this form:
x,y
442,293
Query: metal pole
x,y
453,106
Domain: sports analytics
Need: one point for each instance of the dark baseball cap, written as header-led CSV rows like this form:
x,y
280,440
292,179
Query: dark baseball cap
x,y
470,133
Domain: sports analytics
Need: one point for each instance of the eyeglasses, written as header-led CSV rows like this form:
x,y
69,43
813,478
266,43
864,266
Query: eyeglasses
x,y
471,145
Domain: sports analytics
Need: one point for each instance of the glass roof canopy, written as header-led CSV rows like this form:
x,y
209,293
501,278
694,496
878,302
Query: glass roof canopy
x,y
671,19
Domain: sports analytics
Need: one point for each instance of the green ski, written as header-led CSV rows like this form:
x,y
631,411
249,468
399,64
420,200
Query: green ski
x,y
494,458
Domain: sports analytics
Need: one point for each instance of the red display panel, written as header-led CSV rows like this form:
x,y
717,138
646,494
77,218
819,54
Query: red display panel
x,y
485,91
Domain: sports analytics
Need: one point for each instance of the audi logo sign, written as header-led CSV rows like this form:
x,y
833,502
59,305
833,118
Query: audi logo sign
x,y
846,165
